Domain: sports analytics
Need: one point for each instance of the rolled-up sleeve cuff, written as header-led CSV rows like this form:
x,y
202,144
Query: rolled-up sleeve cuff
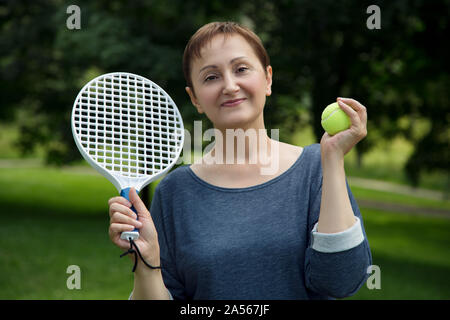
x,y
337,242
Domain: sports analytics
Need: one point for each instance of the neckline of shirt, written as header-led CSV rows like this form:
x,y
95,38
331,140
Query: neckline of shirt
x,y
251,188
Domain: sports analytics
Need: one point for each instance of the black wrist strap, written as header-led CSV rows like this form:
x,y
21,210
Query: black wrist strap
x,y
132,250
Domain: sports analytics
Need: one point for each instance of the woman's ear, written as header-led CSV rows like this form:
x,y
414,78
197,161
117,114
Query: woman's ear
x,y
269,80
194,101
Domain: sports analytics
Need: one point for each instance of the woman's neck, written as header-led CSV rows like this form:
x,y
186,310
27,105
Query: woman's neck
x,y
245,150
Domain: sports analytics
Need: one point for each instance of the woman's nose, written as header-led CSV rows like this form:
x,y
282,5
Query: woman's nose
x,y
230,85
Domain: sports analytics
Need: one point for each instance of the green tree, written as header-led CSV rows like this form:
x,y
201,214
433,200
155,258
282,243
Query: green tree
x,y
319,50
323,49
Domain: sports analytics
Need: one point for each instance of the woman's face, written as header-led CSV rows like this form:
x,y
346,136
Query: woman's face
x,y
230,84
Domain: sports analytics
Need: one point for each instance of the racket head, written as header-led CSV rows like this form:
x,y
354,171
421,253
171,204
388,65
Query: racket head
x,y
128,128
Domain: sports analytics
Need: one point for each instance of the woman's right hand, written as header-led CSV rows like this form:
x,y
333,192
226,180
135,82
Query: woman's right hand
x,y
122,218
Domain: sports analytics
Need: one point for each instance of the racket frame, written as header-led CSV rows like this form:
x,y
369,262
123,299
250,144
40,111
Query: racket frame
x,y
122,183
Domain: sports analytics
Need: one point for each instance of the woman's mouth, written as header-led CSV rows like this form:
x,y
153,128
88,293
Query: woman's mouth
x,y
232,103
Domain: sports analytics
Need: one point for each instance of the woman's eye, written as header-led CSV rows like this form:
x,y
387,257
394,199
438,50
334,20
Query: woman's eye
x,y
242,69
210,78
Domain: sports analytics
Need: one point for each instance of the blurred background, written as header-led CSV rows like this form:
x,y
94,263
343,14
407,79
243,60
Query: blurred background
x,y
53,206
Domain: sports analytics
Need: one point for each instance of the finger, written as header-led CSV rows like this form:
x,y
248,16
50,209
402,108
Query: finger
x,y
117,207
354,117
352,103
138,204
358,107
115,230
120,200
119,217
358,127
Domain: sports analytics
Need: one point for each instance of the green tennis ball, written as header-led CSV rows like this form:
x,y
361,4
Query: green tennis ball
x,y
334,120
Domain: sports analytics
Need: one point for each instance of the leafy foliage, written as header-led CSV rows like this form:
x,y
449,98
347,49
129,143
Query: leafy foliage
x,y
319,50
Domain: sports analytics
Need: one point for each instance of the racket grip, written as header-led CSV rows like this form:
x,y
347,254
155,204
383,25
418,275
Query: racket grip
x,y
127,235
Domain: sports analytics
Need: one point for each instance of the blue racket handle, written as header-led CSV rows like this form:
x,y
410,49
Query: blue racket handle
x,y
127,235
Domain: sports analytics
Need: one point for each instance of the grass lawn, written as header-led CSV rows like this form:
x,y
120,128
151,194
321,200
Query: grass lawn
x,y
55,218
401,199
412,253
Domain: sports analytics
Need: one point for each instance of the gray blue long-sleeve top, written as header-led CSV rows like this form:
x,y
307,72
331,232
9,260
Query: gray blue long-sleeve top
x,y
257,242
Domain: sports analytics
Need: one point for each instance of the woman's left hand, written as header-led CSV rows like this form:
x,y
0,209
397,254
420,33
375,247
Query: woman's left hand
x,y
341,143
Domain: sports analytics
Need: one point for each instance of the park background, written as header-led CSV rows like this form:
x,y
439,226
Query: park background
x,y
53,206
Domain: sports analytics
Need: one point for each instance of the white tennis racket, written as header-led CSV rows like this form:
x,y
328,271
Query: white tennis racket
x,y
128,129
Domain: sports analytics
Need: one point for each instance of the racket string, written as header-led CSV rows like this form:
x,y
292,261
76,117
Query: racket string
x,y
128,125
135,250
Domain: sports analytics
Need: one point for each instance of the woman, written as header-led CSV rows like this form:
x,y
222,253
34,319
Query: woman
x,y
227,231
